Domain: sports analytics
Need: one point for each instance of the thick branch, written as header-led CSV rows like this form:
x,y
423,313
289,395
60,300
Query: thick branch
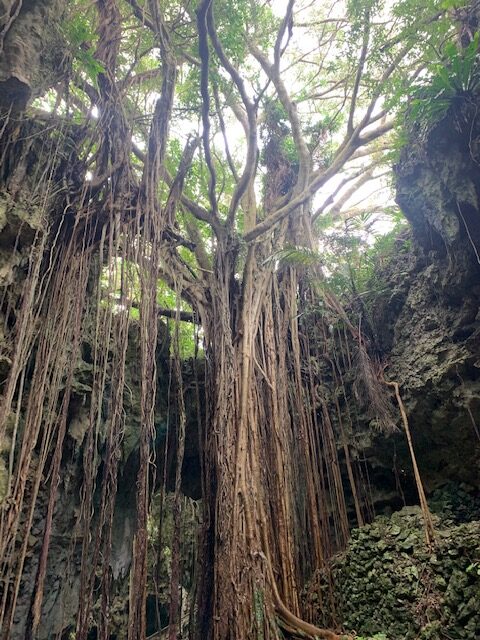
x,y
273,73
330,200
286,23
252,148
157,142
318,180
185,316
223,129
204,54
176,188
359,74
140,13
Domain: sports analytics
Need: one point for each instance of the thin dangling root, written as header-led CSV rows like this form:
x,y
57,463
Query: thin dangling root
x,y
427,516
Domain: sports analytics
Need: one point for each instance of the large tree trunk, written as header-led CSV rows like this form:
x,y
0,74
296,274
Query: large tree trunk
x,y
257,446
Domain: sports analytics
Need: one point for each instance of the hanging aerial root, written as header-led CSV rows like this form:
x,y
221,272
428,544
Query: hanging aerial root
x,y
301,629
298,627
427,516
292,623
295,632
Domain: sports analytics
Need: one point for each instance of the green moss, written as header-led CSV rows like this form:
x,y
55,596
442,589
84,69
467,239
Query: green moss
x,y
388,581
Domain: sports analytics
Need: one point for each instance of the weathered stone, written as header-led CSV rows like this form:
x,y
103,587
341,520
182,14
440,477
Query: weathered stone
x,y
405,596
27,43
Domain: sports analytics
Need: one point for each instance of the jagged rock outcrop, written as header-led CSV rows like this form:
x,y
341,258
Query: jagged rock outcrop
x,y
426,314
28,50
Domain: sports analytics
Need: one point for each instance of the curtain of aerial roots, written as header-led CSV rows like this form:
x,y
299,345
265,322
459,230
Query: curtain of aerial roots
x,y
271,464
85,244
33,413
109,334
55,316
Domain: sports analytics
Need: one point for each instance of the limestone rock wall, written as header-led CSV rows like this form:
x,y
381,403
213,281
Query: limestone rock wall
x,y
426,316
27,49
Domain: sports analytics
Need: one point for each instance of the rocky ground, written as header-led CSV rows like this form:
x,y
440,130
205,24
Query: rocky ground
x,y
390,584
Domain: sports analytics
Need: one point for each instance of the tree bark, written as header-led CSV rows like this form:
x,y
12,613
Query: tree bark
x,y
252,533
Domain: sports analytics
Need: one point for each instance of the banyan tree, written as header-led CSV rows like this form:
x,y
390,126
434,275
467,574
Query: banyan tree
x,y
168,159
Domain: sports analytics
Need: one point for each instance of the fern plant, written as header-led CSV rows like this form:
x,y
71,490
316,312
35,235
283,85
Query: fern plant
x,y
457,75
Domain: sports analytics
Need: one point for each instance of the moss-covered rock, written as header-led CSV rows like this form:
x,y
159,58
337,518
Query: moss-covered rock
x,y
389,581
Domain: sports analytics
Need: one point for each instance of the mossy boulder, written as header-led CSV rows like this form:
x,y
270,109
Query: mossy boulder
x,y
389,581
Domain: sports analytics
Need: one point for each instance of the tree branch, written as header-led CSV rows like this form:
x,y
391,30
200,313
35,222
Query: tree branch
x,y
252,147
301,146
331,198
358,75
204,54
286,23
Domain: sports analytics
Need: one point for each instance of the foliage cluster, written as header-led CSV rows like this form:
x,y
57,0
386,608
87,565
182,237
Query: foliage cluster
x,y
352,258
395,36
455,77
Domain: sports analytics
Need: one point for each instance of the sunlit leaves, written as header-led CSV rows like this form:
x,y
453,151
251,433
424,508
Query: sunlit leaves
x,y
351,258
237,20
455,76
294,256
79,36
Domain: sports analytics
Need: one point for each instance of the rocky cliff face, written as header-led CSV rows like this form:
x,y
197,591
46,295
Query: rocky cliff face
x,y
440,319
29,53
426,327
429,314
